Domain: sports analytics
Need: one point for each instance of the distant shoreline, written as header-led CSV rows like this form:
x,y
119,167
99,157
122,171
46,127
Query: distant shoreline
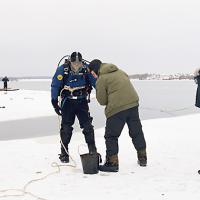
x,y
135,79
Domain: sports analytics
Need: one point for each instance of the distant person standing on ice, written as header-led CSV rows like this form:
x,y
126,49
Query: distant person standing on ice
x,y
115,91
5,82
73,83
197,80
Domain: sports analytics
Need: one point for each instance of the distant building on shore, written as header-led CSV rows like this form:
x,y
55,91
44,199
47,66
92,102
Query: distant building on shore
x,y
147,76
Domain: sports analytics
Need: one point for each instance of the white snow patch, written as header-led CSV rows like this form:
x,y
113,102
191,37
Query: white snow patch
x,y
22,104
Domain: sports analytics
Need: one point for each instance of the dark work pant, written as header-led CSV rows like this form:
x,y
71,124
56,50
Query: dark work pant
x,y
114,126
70,109
5,85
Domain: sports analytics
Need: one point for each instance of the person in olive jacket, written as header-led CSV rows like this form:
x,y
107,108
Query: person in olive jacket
x,y
115,91
197,80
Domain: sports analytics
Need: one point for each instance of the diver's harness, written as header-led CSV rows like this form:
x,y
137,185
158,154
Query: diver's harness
x,y
82,92
72,90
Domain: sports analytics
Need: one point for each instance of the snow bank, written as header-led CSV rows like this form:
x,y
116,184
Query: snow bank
x,y
23,104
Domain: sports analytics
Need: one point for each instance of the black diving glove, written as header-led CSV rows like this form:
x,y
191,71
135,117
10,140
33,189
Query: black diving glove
x,y
56,106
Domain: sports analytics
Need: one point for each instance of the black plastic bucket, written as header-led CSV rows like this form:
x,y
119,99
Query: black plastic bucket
x,y
90,163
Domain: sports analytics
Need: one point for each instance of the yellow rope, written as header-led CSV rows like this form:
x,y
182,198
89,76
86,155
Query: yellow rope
x,y
24,190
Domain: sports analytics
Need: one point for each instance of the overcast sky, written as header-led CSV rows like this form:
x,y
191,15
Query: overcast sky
x,y
154,36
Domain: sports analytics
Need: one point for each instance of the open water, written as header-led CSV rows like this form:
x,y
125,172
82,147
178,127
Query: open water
x,y
158,99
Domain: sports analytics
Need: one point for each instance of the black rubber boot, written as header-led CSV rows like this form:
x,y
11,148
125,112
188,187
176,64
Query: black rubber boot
x,y
92,148
110,165
142,157
64,157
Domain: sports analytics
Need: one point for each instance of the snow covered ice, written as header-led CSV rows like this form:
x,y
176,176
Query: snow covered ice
x,y
22,104
173,159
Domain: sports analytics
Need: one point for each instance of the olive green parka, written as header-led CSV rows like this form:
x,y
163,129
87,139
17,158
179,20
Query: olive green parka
x,y
114,90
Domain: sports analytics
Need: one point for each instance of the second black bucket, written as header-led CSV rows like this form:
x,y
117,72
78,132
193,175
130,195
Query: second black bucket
x,y
90,163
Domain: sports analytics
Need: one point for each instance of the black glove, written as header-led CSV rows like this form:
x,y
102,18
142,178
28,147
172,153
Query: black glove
x,y
56,107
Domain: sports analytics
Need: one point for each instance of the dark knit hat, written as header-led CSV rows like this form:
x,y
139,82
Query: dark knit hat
x,y
95,66
76,57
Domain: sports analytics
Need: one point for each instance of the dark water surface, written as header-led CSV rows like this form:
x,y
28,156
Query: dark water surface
x,y
158,99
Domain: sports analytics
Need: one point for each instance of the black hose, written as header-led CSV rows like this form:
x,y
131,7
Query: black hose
x,y
62,59
68,56
86,61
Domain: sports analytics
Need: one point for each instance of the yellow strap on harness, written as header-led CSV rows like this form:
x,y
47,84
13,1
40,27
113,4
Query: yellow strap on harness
x,y
73,89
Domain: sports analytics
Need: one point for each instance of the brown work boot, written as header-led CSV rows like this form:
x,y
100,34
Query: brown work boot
x,y
142,157
111,164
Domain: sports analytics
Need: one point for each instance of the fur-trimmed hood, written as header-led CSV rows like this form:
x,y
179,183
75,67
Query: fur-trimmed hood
x,y
197,72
